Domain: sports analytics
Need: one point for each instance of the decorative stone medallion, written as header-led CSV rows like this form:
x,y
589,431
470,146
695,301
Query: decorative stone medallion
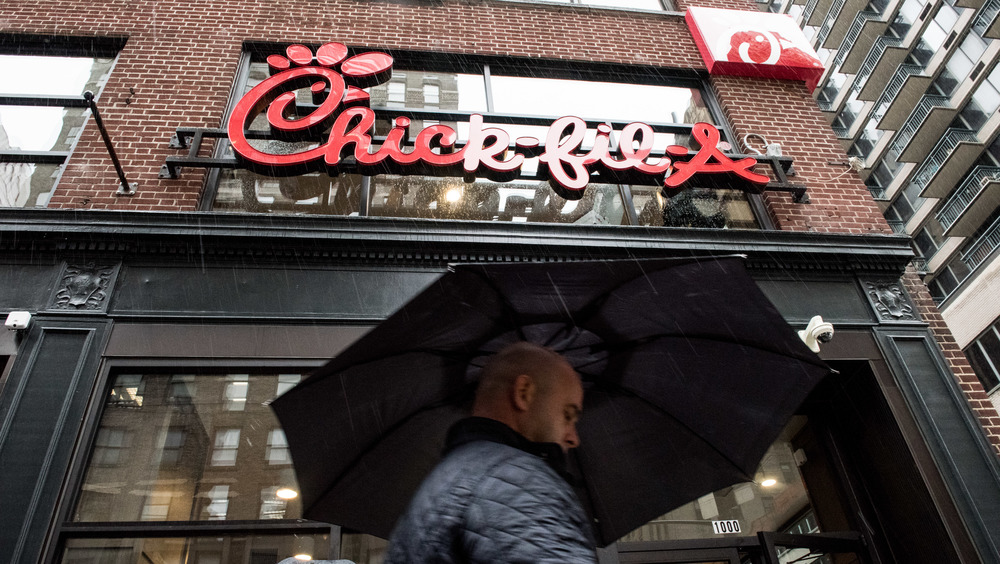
x,y
84,288
890,301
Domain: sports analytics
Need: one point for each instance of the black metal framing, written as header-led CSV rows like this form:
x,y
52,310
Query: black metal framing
x,y
65,529
760,548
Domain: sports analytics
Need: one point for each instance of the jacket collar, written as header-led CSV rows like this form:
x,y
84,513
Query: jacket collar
x,y
482,429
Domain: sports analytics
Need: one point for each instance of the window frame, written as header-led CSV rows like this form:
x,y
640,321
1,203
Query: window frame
x,y
64,529
405,60
18,44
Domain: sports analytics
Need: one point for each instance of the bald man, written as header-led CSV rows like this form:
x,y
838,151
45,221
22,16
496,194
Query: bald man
x,y
499,494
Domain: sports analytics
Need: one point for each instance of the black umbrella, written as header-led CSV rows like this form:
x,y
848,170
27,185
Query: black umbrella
x,y
690,374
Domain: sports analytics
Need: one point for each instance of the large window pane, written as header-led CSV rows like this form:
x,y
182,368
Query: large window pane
x,y
695,207
517,201
47,128
26,184
242,190
164,453
775,501
598,100
217,549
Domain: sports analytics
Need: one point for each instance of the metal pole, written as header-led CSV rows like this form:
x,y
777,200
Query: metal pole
x,y
124,189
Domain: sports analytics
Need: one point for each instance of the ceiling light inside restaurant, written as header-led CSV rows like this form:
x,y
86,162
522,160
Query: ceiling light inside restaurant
x,y
769,482
286,493
453,195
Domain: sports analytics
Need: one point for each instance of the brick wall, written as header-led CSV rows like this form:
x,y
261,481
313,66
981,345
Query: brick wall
x,y
181,57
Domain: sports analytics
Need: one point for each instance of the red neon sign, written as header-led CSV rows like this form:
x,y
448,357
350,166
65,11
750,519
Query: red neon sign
x,y
435,150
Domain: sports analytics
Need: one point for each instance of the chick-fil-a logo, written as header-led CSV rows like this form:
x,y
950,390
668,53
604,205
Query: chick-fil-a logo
x,y
336,83
755,44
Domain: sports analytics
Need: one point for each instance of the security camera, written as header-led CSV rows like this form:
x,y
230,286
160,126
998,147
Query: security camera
x,y
816,332
18,320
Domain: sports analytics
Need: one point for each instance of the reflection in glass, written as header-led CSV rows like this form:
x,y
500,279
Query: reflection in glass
x,y
217,549
695,207
431,90
616,101
46,128
26,185
164,454
242,190
776,507
484,200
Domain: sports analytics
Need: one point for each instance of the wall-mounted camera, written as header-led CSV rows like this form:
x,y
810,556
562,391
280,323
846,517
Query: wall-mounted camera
x,y
816,332
18,320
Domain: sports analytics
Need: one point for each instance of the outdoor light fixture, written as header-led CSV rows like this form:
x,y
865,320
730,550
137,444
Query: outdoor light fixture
x,y
768,482
287,493
303,549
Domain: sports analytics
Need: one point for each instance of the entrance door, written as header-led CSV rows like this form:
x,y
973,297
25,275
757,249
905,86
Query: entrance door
x,y
839,486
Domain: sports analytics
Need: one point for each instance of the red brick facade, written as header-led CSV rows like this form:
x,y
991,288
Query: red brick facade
x,y
181,57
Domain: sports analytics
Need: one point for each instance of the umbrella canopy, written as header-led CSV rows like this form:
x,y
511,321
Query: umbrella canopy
x,y
689,372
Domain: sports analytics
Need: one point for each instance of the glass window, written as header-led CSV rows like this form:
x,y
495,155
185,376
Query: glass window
x,y
287,382
227,444
277,448
598,100
984,364
192,460
109,446
236,391
156,461
51,130
633,4
776,500
923,244
214,549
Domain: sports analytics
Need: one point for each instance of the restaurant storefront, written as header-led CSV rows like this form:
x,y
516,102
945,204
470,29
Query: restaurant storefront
x,y
134,407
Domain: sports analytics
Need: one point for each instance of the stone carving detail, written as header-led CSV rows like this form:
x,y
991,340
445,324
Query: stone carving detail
x,y
890,301
84,287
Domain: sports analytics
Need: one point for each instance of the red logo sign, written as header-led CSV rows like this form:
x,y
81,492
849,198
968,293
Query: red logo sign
x,y
343,109
757,44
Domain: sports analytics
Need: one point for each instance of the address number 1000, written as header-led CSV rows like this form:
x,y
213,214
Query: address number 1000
x,y
724,527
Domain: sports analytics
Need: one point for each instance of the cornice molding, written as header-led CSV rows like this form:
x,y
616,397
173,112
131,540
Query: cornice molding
x,y
39,234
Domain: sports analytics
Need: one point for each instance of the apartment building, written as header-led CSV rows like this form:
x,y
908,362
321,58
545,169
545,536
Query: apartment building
x,y
912,90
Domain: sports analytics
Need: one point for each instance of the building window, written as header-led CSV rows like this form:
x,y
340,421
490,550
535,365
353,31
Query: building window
x,y
110,446
36,139
523,98
984,356
181,465
227,445
658,5
277,448
287,382
236,392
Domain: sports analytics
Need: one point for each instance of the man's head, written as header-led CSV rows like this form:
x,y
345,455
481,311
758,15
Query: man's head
x,y
534,391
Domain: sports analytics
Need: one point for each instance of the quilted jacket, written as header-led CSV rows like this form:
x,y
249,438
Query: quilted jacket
x,y
493,498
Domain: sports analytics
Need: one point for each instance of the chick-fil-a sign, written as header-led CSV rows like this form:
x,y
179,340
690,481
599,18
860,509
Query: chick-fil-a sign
x,y
343,108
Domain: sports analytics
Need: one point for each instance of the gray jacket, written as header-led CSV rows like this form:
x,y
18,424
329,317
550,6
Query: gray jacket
x,y
493,500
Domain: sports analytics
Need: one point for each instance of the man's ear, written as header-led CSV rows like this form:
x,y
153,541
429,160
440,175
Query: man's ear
x,y
523,392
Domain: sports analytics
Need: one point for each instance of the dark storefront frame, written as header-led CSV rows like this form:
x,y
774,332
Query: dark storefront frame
x,y
165,270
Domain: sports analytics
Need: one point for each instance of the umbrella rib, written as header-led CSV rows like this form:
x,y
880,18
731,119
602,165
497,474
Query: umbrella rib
x,y
507,306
